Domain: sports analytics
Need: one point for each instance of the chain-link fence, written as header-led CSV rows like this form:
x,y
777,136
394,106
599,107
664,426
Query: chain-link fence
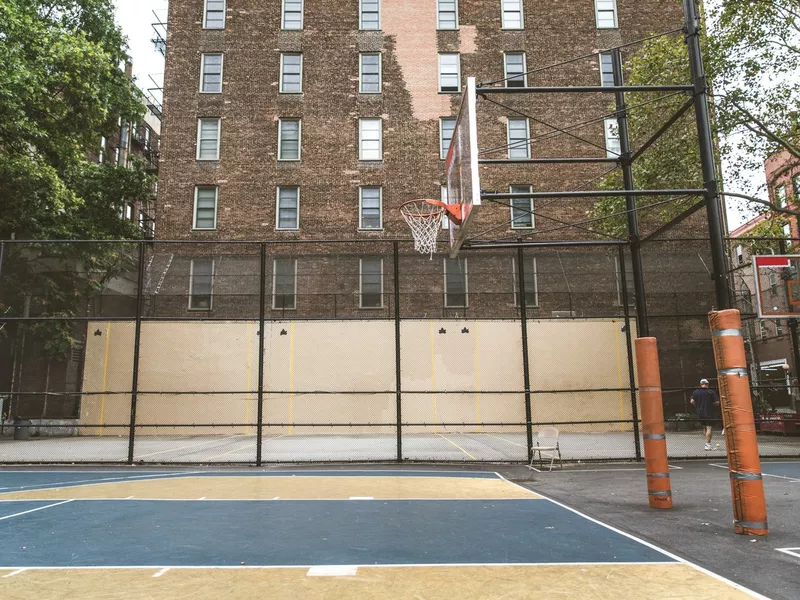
x,y
295,351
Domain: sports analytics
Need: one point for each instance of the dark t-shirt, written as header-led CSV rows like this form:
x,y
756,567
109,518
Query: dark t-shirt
x,y
704,400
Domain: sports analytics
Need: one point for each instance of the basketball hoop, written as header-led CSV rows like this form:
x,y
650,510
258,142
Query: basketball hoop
x,y
424,217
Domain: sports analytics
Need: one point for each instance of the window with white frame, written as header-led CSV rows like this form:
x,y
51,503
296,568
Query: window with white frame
x,y
449,72
369,73
796,187
208,138
515,69
611,129
101,157
369,14
370,209
371,282
778,327
289,139
284,283
606,11
787,233
512,14
288,208
370,139
444,196
773,282
780,196
531,282
518,138
747,298
205,207
292,14
521,208
455,282
629,287
291,74
214,14
447,14
739,254
762,327
201,283
606,69
446,127
211,73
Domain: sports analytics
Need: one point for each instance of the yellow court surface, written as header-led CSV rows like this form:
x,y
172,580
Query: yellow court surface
x,y
412,534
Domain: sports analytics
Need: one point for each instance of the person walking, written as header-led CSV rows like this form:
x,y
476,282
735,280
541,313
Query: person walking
x,y
705,401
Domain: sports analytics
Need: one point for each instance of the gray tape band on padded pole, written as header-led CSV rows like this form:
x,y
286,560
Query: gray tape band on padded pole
x,y
751,524
655,436
666,493
658,474
746,476
728,333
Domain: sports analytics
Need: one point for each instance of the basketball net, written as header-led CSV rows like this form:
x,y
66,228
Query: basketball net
x,y
425,220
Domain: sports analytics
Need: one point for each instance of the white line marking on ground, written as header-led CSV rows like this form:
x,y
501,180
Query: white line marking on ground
x,y
735,585
361,498
276,497
17,572
213,441
792,479
161,572
790,551
497,437
85,482
202,498
25,512
332,571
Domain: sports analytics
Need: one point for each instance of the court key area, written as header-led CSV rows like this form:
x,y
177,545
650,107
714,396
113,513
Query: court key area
x,y
324,533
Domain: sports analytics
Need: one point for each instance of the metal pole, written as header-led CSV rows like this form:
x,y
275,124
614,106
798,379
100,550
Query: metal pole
x,y
629,343
262,259
716,235
523,306
642,325
795,347
398,377
136,342
2,254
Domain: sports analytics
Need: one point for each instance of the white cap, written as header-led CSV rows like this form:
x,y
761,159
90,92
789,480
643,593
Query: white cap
x,y
702,381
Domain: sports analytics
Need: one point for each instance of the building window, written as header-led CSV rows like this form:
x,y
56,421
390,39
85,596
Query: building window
x,y
521,208
205,207
370,139
739,254
613,148
208,131
211,73
369,75
292,17
747,299
370,212
371,282
512,14
630,288
778,327
531,283
455,282
787,233
214,14
284,283
606,69
291,74
102,155
447,14
518,138
515,69
444,196
201,283
288,213
796,187
449,72
370,14
289,139
780,196
773,282
446,127
762,327
606,14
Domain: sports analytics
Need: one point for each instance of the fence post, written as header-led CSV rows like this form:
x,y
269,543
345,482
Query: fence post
x,y
629,343
2,254
398,375
526,374
262,258
136,342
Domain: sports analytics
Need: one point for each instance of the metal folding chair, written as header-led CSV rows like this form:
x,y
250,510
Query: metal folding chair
x,y
546,446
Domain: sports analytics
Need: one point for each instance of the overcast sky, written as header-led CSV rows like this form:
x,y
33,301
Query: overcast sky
x,y
136,18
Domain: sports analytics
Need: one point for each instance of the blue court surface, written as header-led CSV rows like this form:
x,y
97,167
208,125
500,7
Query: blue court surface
x,y
188,527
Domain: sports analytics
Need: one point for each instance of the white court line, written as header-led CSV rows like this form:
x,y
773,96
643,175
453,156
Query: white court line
x,y
361,498
332,571
25,512
215,440
792,479
161,572
790,551
497,437
84,482
17,572
735,585
570,471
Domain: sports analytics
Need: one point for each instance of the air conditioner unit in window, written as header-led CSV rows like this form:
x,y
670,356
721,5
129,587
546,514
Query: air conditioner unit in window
x,y
563,314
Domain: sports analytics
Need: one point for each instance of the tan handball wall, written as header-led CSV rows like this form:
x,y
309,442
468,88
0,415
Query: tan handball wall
x,y
479,364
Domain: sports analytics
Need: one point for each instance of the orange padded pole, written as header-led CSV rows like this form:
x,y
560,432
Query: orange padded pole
x,y
655,438
747,487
